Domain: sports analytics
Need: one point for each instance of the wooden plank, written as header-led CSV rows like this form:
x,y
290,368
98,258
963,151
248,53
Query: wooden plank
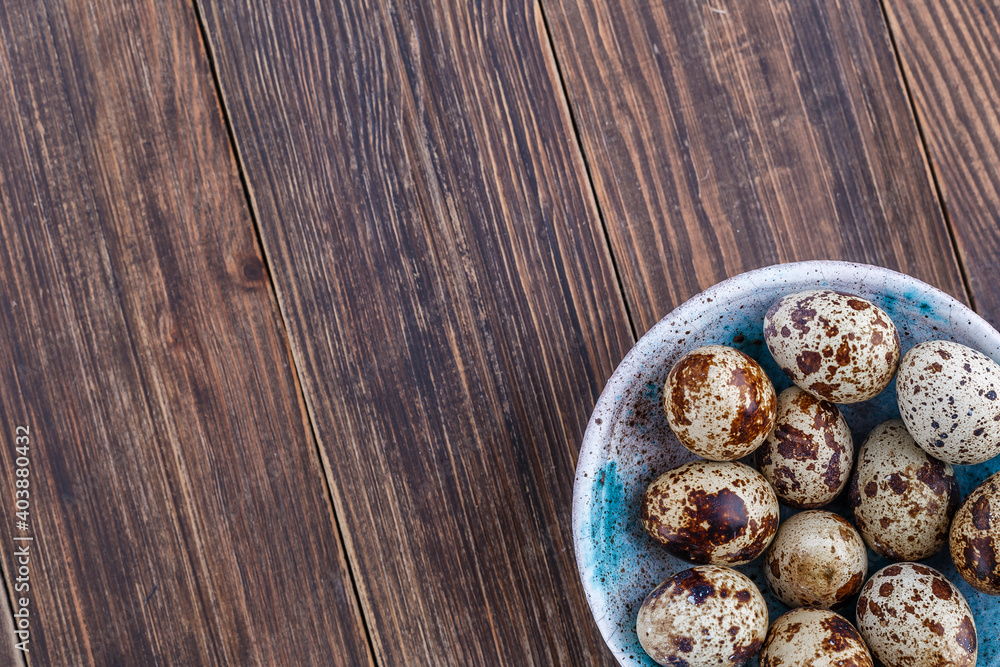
x,y
177,500
951,58
723,136
449,298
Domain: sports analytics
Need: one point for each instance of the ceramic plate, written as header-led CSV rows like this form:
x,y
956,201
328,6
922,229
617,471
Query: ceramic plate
x,y
628,443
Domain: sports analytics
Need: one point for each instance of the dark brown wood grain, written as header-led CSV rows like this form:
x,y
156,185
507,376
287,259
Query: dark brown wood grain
x,y
950,54
723,136
450,301
177,499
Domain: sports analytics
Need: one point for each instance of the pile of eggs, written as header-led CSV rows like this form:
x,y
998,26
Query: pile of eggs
x,y
902,494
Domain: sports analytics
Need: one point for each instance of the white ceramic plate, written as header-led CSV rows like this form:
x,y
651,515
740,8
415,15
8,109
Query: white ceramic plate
x,y
628,443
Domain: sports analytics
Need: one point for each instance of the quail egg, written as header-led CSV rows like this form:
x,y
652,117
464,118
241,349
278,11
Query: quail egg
x,y
948,398
817,559
814,637
711,512
807,457
836,346
975,537
910,614
703,616
719,402
901,498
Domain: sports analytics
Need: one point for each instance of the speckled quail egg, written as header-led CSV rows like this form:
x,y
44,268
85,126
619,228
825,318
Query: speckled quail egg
x,y
723,513
807,457
948,399
814,637
911,615
719,402
975,537
817,559
836,346
703,616
901,499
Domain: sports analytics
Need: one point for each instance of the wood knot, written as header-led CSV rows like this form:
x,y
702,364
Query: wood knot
x,y
253,269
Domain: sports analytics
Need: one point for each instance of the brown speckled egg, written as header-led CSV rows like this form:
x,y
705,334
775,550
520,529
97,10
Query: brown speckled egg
x,y
814,637
975,537
948,398
817,559
703,616
807,457
719,402
836,346
912,615
902,499
711,512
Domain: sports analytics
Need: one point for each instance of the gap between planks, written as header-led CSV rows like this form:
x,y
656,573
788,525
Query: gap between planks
x,y
928,160
567,107
252,209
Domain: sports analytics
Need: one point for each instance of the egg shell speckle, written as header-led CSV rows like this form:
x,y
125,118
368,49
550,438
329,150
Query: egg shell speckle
x,y
807,457
814,637
837,346
817,559
975,537
910,614
706,615
948,398
719,402
901,498
723,513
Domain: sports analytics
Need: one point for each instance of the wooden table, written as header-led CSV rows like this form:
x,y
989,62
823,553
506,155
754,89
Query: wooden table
x,y
305,305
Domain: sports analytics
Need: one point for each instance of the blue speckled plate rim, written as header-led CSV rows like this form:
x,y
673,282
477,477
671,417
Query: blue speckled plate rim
x,y
597,434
